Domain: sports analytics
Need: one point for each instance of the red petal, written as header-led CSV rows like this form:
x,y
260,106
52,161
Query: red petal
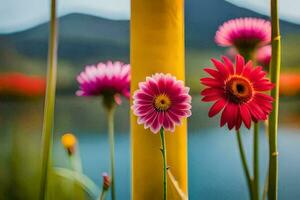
x,y
210,98
238,122
256,112
212,91
217,107
245,115
257,74
211,82
229,115
221,68
248,69
213,73
263,85
228,64
264,96
240,62
233,116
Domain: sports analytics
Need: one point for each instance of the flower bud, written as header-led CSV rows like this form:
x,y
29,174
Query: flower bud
x,y
69,142
106,181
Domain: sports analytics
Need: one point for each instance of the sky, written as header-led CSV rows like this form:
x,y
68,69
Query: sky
x,y
289,10
18,15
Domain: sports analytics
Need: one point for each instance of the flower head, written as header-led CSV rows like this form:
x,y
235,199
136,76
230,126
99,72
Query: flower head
x,y
106,181
69,142
264,55
238,91
245,34
109,80
161,102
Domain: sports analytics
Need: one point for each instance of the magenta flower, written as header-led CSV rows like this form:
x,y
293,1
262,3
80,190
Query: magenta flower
x,y
264,55
245,34
161,102
110,80
237,91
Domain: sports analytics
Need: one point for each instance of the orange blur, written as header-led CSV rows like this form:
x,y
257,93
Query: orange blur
x,y
289,84
21,85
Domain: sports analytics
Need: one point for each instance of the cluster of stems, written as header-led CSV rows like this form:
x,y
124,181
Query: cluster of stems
x,y
252,181
271,185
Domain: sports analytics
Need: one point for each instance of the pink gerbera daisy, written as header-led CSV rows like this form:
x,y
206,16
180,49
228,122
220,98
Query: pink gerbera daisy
x,y
161,102
245,34
264,55
238,91
110,80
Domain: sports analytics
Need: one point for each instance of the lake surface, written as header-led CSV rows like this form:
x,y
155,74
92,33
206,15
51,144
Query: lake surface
x,y
215,170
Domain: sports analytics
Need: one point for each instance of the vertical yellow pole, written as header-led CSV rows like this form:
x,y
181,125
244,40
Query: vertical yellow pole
x,y
157,45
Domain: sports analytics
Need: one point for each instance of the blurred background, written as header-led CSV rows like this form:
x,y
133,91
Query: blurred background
x,y
98,31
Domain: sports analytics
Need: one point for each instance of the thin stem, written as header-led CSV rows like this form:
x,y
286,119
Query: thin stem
x,y
244,163
265,192
110,116
103,195
266,125
256,162
76,163
164,155
49,102
273,119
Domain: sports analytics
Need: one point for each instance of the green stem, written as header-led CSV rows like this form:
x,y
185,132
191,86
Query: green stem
x,y
244,163
265,192
49,102
76,162
164,155
103,195
273,119
256,162
110,115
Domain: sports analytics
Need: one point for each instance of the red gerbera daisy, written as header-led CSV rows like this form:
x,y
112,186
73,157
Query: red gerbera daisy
x,y
238,92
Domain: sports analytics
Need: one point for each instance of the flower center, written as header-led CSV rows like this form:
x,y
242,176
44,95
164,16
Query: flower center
x,y
162,102
239,89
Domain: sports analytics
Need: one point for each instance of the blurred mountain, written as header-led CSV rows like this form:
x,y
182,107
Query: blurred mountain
x,y
87,39
204,17
80,36
97,36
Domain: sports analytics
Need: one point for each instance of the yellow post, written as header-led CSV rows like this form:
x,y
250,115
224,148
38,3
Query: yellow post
x,y
157,45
